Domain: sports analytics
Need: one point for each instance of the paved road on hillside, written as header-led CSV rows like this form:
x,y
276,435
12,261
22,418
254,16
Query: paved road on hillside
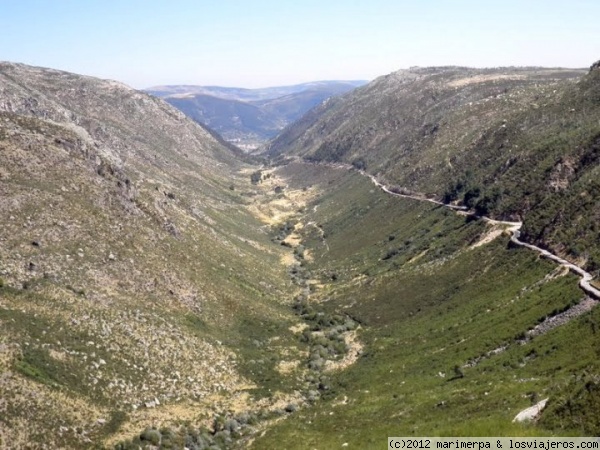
x,y
514,228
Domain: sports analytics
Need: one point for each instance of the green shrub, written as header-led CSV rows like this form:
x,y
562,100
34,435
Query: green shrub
x,y
575,406
151,435
255,177
471,196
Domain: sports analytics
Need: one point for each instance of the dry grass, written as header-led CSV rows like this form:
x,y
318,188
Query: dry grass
x,y
489,236
462,82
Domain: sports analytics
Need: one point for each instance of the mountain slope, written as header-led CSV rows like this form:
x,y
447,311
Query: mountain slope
x,y
460,330
293,106
249,117
232,119
514,143
134,279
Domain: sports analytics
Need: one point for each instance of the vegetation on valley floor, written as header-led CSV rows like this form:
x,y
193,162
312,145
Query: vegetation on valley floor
x,y
143,297
432,306
512,143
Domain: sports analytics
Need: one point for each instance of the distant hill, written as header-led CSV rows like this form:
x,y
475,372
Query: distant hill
x,y
250,117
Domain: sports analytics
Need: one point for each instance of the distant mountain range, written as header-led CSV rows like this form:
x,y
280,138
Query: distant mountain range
x,y
250,117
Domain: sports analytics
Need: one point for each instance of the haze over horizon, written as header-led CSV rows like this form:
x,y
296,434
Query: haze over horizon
x,y
267,43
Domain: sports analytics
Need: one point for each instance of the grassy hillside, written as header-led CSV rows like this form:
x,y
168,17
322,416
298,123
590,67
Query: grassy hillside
x,y
136,287
520,144
449,324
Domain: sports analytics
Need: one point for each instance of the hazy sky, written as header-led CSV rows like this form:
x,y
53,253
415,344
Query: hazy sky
x,y
257,43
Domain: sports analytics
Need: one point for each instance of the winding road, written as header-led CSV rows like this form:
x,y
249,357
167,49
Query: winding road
x,y
514,228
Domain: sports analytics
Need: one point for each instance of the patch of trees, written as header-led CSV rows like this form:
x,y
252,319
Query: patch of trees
x,y
226,430
473,196
256,177
282,231
332,150
359,164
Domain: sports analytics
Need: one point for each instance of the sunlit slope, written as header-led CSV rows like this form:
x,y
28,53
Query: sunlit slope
x,y
511,143
455,330
133,277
